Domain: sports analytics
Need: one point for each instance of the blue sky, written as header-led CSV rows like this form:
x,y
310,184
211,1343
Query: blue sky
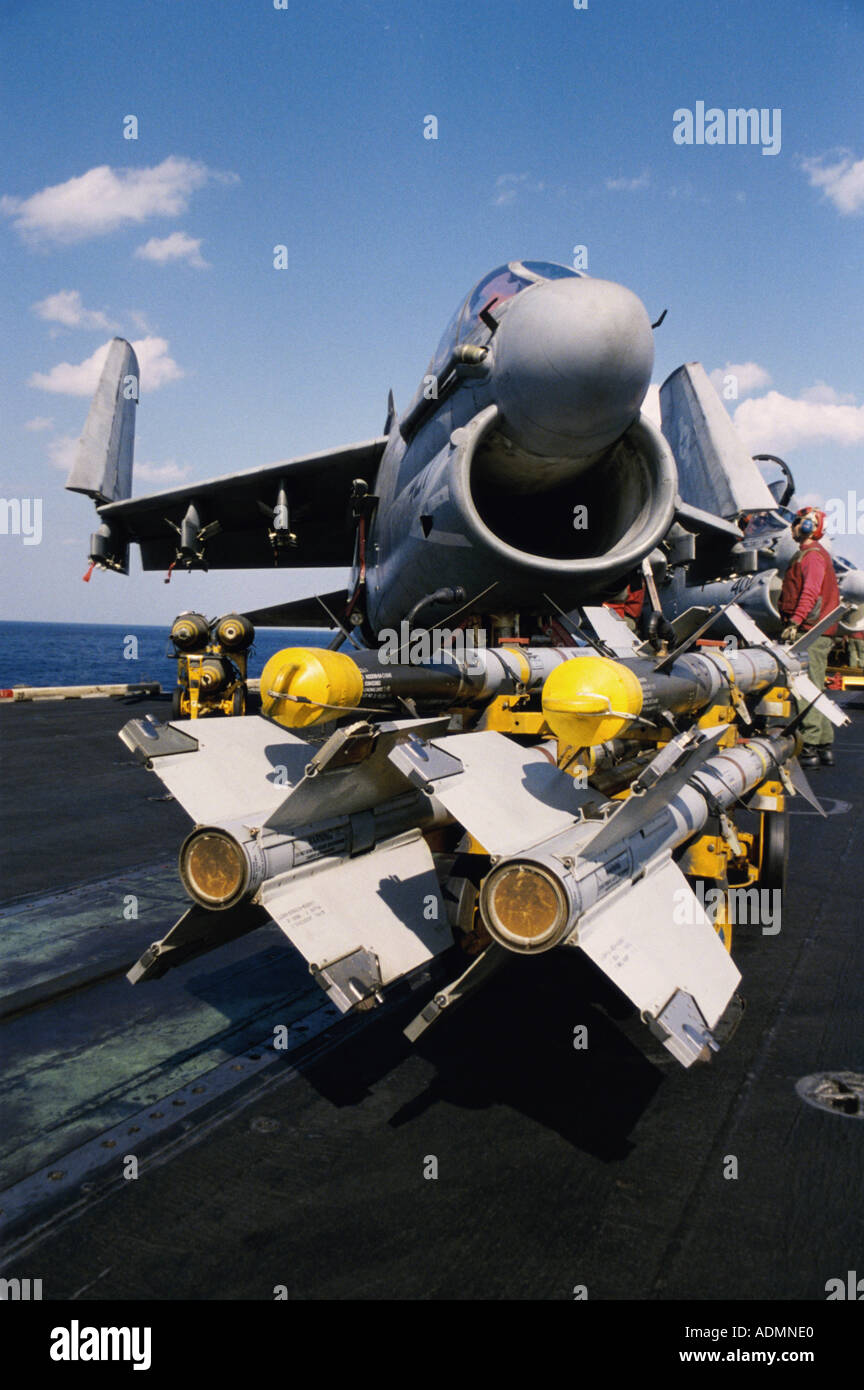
x,y
305,127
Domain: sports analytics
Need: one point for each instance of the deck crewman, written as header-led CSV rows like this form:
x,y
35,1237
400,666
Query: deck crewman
x,y
856,650
809,592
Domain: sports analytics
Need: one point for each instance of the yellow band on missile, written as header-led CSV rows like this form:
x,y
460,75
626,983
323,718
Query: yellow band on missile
x,y
309,685
590,699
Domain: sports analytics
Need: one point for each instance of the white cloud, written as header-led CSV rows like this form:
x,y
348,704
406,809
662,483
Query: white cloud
x,y
81,379
508,185
141,322
823,394
177,247
778,422
39,422
629,185
842,183
749,376
62,451
167,472
65,307
808,499
104,199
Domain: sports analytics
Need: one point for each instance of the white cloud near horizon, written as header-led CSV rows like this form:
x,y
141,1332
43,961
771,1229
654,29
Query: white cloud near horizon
x,y
842,183
823,394
104,199
508,185
749,376
39,422
818,416
179,246
81,378
65,307
629,185
168,472
62,450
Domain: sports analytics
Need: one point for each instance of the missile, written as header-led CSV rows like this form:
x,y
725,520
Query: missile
x,y
535,901
221,864
300,832
273,813
611,891
587,698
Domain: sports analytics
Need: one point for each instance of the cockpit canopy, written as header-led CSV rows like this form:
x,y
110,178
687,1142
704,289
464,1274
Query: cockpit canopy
x,y
763,529
493,290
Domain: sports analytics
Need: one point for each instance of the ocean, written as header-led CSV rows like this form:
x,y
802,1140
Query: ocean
x,y
105,653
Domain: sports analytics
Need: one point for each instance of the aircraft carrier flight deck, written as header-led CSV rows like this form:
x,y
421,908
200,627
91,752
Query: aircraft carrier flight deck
x,y
491,1160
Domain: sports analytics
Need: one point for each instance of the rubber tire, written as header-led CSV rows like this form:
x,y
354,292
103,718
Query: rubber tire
x,y
176,707
238,701
774,867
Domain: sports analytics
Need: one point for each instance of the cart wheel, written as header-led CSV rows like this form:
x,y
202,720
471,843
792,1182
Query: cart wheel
x,y
238,700
774,845
177,702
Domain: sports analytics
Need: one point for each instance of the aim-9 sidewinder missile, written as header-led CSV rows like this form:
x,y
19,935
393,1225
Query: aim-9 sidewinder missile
x,y
327,838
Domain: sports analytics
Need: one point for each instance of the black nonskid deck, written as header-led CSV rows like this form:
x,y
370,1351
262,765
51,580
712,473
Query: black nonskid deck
x,y
556,1167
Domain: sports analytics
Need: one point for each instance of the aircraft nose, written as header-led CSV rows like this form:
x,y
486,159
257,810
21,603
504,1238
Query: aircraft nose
x,y
572,363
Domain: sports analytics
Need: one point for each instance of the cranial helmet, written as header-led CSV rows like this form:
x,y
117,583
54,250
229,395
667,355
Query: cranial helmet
x,y
810,522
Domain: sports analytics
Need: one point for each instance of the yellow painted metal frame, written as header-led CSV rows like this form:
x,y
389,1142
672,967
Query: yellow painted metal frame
x,y
194,703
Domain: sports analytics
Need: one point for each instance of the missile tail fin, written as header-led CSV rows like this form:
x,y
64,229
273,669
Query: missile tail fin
x,y
657,944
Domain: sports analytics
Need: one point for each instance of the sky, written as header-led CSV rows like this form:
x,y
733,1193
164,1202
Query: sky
x,y
306,126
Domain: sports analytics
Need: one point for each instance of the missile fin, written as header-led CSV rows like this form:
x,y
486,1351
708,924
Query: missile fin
x,y
197,931
803,643
654,941
507,797
353,771
799,780
224,769
364,922
800,684
655,787
612,631
477,974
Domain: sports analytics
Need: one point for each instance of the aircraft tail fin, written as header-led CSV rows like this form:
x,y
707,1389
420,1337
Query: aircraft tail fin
x,y
103,465
715,471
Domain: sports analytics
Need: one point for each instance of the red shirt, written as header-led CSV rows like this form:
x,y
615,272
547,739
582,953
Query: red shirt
x,y
632,605
809,588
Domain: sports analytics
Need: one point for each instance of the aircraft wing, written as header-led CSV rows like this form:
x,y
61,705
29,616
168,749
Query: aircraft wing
x,y
316,611
230,520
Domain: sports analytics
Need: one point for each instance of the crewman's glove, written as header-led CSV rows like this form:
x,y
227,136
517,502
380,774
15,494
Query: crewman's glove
x,y
789,634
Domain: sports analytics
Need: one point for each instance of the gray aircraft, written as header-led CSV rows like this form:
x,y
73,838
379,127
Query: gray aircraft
x,y
522,467
557,782
738,541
